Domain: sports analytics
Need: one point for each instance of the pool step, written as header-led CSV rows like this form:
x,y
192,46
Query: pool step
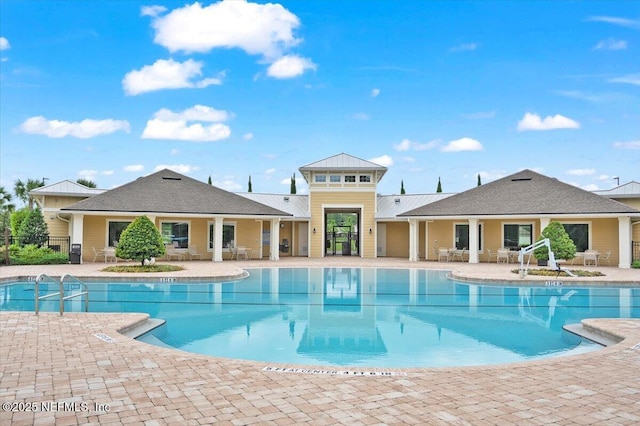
x,y
590,334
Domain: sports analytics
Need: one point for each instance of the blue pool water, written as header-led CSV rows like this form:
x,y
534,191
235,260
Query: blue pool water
x,y
352,316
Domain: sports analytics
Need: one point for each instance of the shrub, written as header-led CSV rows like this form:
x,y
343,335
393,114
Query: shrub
x,y
561,244
33,230
31,254
17,217
140,240
636,264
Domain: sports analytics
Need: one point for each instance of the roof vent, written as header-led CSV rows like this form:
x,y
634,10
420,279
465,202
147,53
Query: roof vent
x,y
286,199
170,178
520,179
397,200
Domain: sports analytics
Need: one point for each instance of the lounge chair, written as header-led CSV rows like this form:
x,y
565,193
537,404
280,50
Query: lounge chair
x,y
97,254
193,252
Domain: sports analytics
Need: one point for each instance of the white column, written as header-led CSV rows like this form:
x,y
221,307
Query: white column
x,y
217,239
544,222
77,230
275,240
624,242
474,240
413,240
426,240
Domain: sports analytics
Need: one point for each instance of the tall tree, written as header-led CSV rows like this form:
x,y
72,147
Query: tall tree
x,y
402,191
293,184
86,182
209,180
6,207
479,182
140,241
33,229
439,188
22,190
250,189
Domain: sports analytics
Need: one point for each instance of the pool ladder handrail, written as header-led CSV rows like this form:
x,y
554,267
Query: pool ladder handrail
x,y
60,292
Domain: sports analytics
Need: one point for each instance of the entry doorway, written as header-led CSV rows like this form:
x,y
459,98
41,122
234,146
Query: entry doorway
x,y
341,235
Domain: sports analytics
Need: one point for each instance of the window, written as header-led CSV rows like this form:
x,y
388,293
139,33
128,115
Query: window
x,y
350,178
462,236
176,233
334,178
115,230
365,178
228,234
517,235
320,178
579,234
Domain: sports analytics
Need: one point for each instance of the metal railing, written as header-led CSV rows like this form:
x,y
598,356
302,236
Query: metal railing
x,y
635,251
57,244
60,292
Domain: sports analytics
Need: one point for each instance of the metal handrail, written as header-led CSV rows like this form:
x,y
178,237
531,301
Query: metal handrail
x,y
60,292
84,293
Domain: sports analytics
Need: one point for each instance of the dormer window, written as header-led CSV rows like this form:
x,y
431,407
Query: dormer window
x,y
350,178
320,178
365,178
334,179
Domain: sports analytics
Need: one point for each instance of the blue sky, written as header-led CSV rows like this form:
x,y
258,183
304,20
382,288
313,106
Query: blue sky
x,y
113,90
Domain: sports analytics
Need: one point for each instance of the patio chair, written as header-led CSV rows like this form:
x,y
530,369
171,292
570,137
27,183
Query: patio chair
x,y
242,253
97,254
492,254
443,254
172,253
459,254
605,257
193,252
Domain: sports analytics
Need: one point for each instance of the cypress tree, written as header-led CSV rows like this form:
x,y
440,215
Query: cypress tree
x,y
439,189
402,191
479,182
293,184
209,180
250,189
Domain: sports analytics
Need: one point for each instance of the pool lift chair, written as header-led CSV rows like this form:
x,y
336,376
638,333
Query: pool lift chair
x,y
552,259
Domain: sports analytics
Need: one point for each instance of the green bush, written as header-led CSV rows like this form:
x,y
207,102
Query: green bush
x,y
17,217
31,254
636,264
33,230
561,244
141,240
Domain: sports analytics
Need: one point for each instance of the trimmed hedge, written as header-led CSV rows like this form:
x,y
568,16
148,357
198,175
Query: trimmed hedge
x,y
34,255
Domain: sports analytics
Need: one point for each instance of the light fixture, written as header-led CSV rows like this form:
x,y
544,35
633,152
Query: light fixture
x,y
282,225
370,231
314,230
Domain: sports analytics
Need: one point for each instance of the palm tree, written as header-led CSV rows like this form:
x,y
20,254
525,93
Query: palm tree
x,y
6,207
86,182
22,190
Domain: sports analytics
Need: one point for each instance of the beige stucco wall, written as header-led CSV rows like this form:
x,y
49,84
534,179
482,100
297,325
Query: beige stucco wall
x,y
366,201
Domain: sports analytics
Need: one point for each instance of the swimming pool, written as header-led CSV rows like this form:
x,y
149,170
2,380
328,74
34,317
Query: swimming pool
x,y
353,316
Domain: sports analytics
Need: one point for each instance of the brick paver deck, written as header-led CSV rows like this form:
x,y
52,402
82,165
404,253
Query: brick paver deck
x,y
58,364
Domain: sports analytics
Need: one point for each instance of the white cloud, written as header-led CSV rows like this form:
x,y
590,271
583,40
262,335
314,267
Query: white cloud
x,y
84,129
174,151
581,172
195,113
465,47
463,144
534,122
269,171
406,145
178,168
629,79
491,175
87,174
611,44
590,187
593,97
4,44
360,116
152,11
247,136
290,66
375,93
134,168
167,124
227,184
108,172
623,22
166,74
258,29
627,145
383,160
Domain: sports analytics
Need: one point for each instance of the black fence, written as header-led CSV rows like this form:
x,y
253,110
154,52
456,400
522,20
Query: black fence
x,y
57,244
635,250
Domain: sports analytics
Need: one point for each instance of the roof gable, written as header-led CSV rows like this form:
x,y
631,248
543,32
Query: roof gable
x,y
169,192
343,162
67,188
525,192
627,190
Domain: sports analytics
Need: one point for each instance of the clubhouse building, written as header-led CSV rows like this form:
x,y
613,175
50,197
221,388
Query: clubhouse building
x,y
343,215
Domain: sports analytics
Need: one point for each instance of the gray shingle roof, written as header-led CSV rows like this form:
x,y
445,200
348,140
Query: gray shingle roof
x,y
169,192
522,193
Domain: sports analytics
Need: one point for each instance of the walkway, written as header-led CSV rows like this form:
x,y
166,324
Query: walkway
x,y
96,375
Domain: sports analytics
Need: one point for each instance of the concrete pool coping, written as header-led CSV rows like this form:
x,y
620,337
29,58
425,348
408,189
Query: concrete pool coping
x,y
82,360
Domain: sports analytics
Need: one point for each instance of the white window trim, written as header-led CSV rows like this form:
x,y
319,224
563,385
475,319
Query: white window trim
x,y
533,230
106,232
581,222
228,223
481,234
188,222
